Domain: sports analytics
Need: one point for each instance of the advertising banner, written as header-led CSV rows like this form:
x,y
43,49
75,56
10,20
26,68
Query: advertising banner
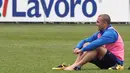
x,y
63,10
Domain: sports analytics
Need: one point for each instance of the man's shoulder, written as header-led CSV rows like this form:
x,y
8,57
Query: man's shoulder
x,y
111,29
111,32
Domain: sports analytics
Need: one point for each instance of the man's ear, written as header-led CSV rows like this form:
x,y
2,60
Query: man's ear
x,y
105,22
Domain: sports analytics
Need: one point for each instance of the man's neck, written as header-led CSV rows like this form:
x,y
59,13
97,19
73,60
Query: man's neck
x,y
105,27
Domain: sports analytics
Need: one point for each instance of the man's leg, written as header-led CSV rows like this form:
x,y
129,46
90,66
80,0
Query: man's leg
x,y
101,51
81,55
88,57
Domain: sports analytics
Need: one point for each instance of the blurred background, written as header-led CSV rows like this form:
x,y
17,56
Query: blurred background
x,y
36,35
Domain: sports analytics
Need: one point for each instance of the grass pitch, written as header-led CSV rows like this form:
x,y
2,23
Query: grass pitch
x,y
36,48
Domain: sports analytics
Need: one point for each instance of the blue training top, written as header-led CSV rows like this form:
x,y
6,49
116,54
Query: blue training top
x,y
108,36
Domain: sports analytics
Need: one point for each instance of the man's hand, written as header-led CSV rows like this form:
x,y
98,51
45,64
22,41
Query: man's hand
x,y
77,51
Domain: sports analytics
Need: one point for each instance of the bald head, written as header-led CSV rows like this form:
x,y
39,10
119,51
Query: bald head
x,y
106,18
103,21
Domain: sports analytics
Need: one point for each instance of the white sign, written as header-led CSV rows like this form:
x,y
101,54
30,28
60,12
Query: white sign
x,y
63,10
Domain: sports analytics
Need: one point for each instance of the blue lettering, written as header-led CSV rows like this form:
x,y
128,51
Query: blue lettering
x,y
1,3
73,6
47,10
15,12
94,8
36,8
66,8
70,7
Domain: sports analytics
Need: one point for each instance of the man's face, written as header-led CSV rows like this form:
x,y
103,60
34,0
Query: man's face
x,y
100,23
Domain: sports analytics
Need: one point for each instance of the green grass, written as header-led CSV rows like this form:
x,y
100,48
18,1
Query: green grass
x,y
37,48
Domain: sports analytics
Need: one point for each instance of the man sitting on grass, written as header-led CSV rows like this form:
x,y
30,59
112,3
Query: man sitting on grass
x,y
105,48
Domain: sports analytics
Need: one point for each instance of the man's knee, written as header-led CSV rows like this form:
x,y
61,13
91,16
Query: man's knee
x,y
101,50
